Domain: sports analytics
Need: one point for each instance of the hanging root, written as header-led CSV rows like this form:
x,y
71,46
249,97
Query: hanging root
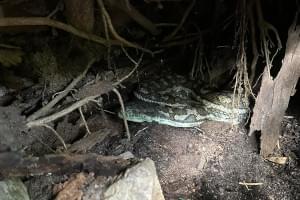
x,y
242,82
266,40
108,22
242,86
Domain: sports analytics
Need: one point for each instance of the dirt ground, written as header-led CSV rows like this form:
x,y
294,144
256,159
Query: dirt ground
x,y
214,161
218,44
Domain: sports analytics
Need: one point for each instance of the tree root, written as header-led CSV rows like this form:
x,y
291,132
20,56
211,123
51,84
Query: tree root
x,y
186,14
114,32
44,21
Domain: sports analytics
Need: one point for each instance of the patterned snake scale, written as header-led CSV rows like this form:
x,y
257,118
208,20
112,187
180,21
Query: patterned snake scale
x,y
172,100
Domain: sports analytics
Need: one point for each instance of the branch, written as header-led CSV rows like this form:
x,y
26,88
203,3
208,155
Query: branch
x,y
103,87
114,32
186,14
134,14
42,21
44,110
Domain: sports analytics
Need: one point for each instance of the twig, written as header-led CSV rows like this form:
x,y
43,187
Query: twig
x,y
44,110
56,134
141,130
114,32
61,113
128,56
103,87
59,7
43,143
249,184
186,14
57,93
43,21
84,121
123,112
130,73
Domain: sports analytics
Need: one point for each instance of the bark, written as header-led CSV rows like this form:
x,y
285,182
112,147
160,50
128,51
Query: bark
x,y
274,95
13,164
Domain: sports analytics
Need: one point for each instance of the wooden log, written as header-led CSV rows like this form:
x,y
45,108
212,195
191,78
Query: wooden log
x,y
13,164
274,95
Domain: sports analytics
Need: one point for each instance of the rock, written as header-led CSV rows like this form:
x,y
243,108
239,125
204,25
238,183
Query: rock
x,y
138,182
13,189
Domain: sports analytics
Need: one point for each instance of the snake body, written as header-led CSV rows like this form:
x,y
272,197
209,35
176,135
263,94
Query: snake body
x,y
172,100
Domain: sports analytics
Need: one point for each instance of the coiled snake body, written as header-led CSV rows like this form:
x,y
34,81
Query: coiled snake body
x,y
172,100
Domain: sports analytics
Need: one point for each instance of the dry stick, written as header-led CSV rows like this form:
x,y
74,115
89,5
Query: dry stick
x,y
78,104
56,134
119,95
186,14
44,110
123,112
104,18
114,32
59,7
61,113
84,121
130,73
43,143
249,184
128,56
20,166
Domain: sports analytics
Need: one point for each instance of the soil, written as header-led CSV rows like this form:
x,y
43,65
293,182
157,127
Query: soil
x,y
214,161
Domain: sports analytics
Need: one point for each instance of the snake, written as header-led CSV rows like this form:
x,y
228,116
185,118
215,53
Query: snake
x,y
173,100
